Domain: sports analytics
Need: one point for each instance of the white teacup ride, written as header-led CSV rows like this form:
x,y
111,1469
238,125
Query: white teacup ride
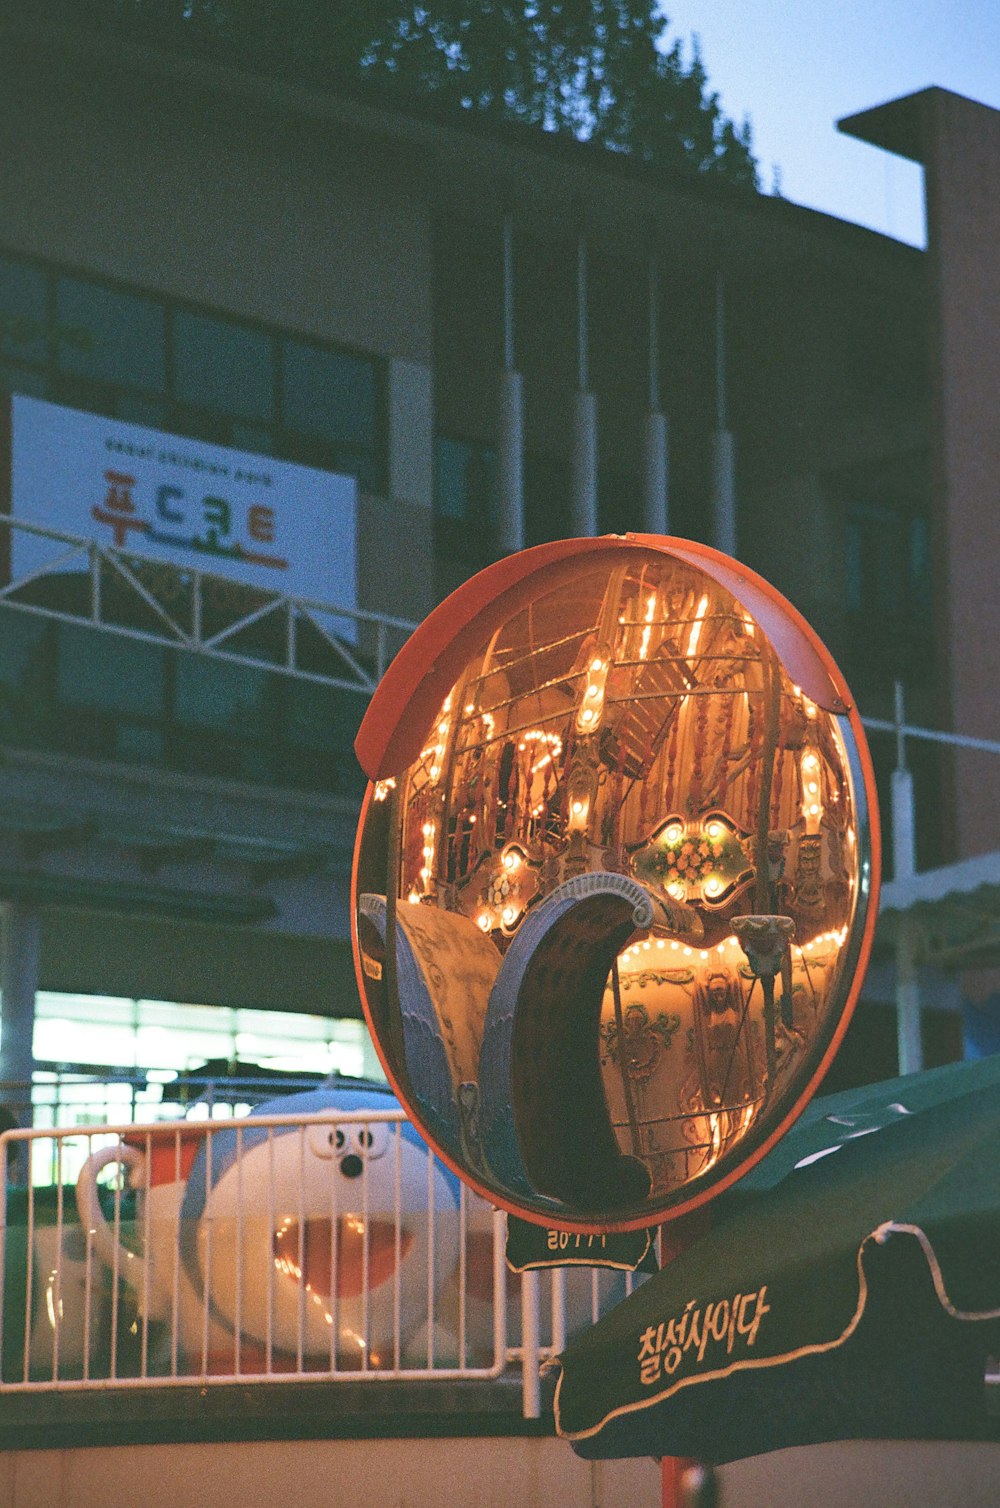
x,y
295,1246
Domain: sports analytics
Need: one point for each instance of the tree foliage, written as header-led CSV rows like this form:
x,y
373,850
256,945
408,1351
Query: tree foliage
x,y
599,70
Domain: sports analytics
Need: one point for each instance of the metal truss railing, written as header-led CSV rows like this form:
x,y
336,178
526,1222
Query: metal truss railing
x,y
95,586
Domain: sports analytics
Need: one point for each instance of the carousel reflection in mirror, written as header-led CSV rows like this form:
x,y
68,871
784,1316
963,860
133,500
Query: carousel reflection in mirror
x,y
620,878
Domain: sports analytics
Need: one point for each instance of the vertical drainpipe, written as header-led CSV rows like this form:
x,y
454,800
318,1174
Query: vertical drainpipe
x,y
723,445
909,1043
584,413
510,470
656,478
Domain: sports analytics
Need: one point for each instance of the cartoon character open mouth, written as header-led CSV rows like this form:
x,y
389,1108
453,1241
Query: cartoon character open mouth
x,y
306,1251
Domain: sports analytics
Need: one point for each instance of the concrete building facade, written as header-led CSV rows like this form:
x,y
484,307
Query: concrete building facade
x,y
504,338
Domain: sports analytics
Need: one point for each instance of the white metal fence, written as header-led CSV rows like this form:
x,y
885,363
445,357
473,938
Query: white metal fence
x,y
269,1249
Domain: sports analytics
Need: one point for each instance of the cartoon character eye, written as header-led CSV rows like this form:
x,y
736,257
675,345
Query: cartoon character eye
x,y
336,1139
365,1138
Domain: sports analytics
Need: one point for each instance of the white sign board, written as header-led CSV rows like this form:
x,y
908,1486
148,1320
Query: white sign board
x,y
268,524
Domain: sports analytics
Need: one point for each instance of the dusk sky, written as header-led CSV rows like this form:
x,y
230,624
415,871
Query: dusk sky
x,y
797,66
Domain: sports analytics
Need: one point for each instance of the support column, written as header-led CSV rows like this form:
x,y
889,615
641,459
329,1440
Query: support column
x,y
531,1403
584,464
723,443
510,468
584,414
904,860
18,987
656,509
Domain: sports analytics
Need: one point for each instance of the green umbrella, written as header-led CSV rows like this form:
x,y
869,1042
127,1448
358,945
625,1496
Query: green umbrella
x,y
849,1288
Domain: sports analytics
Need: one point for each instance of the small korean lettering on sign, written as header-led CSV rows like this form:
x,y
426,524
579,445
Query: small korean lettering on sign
x,y
723,1327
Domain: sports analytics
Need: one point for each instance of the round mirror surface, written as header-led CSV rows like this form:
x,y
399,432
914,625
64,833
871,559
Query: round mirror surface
x,y
609,918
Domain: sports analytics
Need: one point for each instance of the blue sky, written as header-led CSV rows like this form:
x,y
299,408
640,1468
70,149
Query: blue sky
x,y
797,66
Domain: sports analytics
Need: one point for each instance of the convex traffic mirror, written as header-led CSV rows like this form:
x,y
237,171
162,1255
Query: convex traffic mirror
x,y
614,880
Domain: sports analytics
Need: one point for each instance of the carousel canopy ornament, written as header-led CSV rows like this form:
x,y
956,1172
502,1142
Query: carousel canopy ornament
x,y
616,876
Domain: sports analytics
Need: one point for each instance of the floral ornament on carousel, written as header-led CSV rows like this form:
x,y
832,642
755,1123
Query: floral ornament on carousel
x,y
509,890
642,1040
701,860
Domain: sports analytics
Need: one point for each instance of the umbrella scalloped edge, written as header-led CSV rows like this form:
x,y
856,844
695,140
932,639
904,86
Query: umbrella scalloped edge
x,y
878,1237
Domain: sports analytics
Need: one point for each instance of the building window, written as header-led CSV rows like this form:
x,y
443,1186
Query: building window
x,y
328,395
24,324
147,360
109,336
60,689
465,500
548,512
221,367
620,501
129,682
105,1059
889,590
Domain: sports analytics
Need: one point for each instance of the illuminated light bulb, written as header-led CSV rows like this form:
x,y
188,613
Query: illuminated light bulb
x,y
428,829
596,666
482,920
812,788
674,833
650,610
688,953
414,897
647,945
593,690
511,860
696,626
587,715
810,710
814,810
472,820
713,886
721,948
676,890
674,946
578,808
704,956
508,915
731,940
714,830
435,771
660,943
